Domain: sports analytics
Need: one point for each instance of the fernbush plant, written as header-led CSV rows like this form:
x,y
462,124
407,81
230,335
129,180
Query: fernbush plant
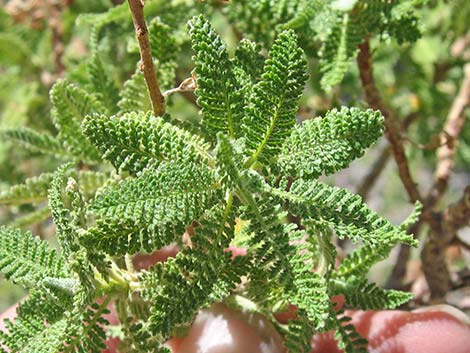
x,y
246,174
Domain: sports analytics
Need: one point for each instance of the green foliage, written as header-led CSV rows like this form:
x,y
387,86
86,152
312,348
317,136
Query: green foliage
x,y
32,191
172,192
339,48
348,339
70,105
329,144
35,141
247,65
246,171
152,210
134,95
164,50
217,89
134,141
333,26
42,327
27,260
343,211
31,218
212,274
364,295
101,85
260,18
273,103
272,252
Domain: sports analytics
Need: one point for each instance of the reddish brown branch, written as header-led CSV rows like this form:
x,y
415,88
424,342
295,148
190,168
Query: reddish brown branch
x,y
147,67
392,128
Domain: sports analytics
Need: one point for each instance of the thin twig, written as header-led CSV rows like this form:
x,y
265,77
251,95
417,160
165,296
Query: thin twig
x,y
187,95
187,85
443,231
392,128
147,67
375,171
449,140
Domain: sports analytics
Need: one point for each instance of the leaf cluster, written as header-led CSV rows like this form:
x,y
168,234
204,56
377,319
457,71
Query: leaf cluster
x,y
245,170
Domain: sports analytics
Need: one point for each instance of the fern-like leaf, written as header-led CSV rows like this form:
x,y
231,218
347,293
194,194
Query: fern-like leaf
x,y
119,237
339,48
361,294
230,159
30,324
175,192
43,327
197,276
66,232
217,90
306,13
134,96
70,105
27,260
358,262
247,66
298,336
35,141
310,294
104,89
270,242
329,144
33,190
133,141
164,50
347,337
260,20
344,211
37,216
273,105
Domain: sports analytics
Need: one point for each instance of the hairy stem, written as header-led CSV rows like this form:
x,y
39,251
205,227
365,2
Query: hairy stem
x,y
156,98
